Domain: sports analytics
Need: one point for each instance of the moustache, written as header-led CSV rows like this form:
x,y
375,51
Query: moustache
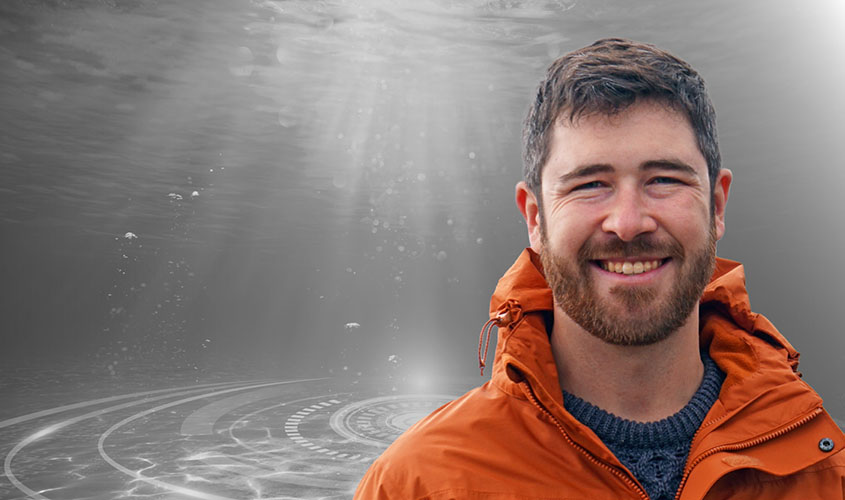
x,y
616,248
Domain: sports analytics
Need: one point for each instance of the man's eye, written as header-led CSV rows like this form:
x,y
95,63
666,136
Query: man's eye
x,y
665,180
589,185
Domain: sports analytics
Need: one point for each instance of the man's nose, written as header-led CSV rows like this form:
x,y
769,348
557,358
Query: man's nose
x,y
629,215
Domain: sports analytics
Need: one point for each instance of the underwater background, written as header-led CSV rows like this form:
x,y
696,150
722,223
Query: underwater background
x,y
319,194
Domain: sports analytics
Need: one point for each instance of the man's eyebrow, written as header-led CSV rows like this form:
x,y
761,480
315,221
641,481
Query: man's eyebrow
x,y
603,168
585,171
676,165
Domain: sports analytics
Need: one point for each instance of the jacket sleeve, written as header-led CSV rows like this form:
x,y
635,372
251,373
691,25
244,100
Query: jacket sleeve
x,y
374,486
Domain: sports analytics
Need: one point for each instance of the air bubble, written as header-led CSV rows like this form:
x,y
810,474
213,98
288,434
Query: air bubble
x,y
339,180
243,65
285,119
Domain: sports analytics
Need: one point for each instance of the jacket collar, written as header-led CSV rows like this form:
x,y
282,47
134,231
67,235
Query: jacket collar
x,y
757,360
762,395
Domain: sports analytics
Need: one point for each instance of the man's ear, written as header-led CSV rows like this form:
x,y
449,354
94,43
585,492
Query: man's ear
x,y
721,188
530,210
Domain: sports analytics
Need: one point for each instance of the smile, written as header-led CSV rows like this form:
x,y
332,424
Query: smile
x,y
630,267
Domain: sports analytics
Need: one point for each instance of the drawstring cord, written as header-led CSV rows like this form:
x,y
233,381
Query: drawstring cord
x,y
501,319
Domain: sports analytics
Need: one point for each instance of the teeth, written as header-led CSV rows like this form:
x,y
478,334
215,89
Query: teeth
x,y
630,267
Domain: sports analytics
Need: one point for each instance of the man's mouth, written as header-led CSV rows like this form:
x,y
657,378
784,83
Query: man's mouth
x,y
630,266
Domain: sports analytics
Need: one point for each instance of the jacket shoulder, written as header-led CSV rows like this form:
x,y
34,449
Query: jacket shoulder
x,y
435,450
489,444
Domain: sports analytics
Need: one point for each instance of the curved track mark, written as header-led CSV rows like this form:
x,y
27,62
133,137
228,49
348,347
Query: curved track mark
x,y
83,404
201,422
337,420
161,484
7,464
237,422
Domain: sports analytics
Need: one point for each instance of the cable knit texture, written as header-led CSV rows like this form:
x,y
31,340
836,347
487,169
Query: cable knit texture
x,y
654,452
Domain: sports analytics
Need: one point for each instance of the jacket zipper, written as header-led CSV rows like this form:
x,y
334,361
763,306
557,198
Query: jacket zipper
x,y
616,472
740,446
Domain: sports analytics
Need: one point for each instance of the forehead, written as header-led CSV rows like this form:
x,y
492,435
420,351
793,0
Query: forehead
x,y
647,131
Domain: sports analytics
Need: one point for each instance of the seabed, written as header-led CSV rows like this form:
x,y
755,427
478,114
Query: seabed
x,y
269,439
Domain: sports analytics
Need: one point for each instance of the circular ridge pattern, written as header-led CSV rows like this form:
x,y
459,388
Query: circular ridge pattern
x,y
379,421
302,438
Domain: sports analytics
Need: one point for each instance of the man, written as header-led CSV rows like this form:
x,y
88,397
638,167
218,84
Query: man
x,y
628,364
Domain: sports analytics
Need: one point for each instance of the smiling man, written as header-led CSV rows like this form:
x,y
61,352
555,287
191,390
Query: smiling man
x,y
629,363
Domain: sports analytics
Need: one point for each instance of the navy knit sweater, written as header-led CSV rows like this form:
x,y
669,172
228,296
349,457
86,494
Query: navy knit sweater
x,y
654,452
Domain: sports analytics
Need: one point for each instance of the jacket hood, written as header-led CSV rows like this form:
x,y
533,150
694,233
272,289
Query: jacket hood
x,y
762,393
759,363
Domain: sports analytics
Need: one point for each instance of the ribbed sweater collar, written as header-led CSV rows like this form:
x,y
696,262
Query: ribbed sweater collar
x,y
618,432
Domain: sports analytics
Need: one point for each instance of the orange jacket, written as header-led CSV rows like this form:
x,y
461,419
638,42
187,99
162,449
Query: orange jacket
x,y
511,438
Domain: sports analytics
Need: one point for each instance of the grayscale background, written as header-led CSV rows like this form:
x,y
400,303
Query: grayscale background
x,y
212,191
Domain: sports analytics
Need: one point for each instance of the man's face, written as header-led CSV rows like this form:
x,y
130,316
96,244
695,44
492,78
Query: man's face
x,y
628,241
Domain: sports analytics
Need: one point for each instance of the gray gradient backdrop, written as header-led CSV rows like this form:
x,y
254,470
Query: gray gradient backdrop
x,y
200,189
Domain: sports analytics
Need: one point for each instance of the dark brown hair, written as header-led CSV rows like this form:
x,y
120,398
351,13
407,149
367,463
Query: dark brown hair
x,y
606,78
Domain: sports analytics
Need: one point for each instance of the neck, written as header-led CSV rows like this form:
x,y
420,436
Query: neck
x,y
639,383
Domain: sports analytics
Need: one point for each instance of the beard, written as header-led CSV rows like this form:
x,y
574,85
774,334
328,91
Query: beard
x,y
645,319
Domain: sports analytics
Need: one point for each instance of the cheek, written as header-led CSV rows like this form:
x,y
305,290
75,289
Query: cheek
x,y
690,225
565,235
691,210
